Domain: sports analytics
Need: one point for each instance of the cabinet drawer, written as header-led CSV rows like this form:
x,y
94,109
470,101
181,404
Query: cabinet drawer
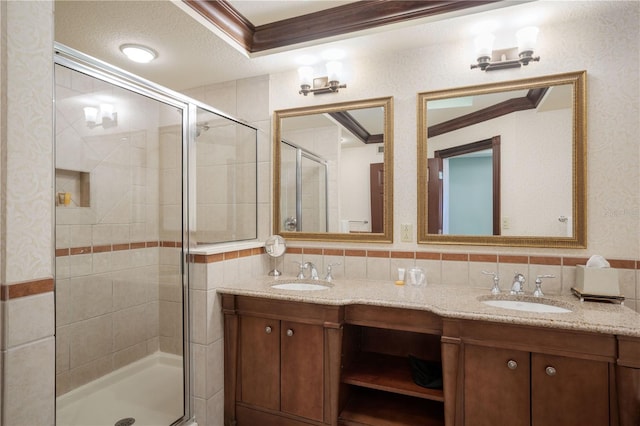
x,y
629,352
600,347
394,318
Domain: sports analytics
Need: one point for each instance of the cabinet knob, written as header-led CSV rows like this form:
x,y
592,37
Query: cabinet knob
x,y
289,332
550,371
267,330
512,364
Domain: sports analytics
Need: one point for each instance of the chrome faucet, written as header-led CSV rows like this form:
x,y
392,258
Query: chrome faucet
x,y
538,291
518,284
496,282
312,267
329,276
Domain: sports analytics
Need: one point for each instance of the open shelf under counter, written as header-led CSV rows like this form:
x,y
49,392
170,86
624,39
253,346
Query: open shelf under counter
x,y
387,373
367,407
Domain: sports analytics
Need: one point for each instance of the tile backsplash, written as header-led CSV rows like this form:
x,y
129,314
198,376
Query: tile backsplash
x,y
456,269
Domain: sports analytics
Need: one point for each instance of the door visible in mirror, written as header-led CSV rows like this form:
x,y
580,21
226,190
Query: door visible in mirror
x,y
503,163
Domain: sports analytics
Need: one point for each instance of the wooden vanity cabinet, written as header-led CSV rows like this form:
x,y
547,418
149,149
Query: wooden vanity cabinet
x,y
281,366
496,386
286,361
504,386
523,376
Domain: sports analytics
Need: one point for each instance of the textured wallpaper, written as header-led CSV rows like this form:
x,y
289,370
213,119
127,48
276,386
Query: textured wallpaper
x,y
28,204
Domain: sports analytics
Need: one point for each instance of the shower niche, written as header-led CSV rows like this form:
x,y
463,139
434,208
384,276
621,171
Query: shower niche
x,y
73,188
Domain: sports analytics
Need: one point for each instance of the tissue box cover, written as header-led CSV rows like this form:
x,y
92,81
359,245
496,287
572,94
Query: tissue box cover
x,y
597,281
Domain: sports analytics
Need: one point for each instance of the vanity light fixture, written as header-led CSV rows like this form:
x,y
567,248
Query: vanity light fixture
x,y
138,53
107,116
490,60
320,85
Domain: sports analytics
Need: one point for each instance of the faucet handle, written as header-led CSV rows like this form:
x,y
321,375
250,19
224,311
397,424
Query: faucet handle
x,y
538,291
329,277
496,282
302,267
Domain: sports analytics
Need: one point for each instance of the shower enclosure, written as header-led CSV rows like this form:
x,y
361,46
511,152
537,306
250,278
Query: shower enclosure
x,y
128,191
304,178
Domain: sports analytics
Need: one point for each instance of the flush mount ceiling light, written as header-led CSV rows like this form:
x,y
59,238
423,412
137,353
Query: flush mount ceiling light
x,y
138,53
489,59
320,85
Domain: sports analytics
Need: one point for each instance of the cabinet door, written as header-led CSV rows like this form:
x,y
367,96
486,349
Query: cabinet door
x,y
302,372
260,362
568,391
496,387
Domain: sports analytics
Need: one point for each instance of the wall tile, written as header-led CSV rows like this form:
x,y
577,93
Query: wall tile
x,y
29,373
455,273
29,319
432,269
215,409
90,340
215,368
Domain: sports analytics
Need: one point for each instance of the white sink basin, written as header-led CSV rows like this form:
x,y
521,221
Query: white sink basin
x,y
300,286
522,305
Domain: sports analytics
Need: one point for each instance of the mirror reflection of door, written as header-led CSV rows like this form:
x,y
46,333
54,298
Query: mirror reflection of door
x,y
288,188
464,189
377,196
314,195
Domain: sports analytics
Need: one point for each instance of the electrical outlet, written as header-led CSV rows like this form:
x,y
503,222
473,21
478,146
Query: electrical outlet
x,y
506,223
406,232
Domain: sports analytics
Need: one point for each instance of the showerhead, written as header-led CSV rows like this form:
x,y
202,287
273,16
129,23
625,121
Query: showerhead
x,y
201,127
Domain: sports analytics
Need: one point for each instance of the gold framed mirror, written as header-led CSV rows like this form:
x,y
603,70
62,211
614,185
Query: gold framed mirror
x,y
504,163
333,172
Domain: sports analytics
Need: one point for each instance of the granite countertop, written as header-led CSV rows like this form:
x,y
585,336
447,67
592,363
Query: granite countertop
x,y
450,302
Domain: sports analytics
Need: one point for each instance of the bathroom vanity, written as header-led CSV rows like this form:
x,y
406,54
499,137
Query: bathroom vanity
x,y
341,357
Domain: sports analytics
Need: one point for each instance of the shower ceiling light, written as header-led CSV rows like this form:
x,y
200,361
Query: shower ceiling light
x,y
107,116
138,53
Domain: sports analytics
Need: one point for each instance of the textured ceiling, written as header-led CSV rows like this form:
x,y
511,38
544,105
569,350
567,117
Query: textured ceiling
x,y
260,12
192,54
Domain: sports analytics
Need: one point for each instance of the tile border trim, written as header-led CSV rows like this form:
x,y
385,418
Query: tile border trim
x,y
105,248
420,255
26,288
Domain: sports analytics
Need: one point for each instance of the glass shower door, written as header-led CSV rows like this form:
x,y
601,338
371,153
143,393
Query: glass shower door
x,y
314,194
120,308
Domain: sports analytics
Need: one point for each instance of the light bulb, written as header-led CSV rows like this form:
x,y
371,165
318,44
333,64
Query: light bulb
x,y
306,75
484,45
90,115
106,112
333,70
527,39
